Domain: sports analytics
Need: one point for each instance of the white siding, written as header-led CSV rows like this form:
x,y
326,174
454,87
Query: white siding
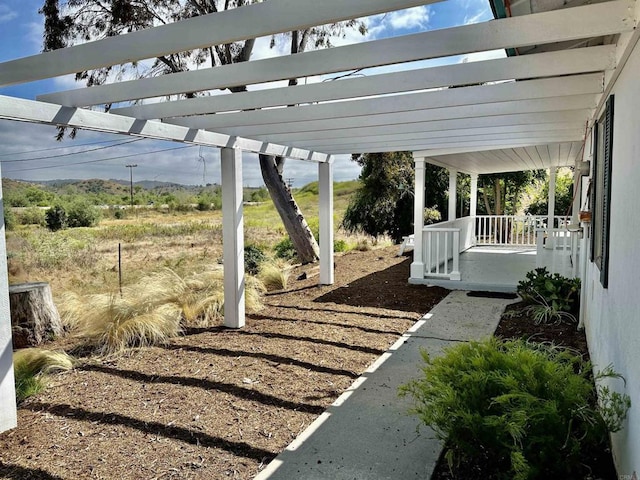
x,y
613,314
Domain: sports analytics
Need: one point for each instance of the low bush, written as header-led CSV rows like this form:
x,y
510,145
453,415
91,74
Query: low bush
x,y
340,246
559,293
253,258
82,214
9,218
526,410
284,249
56,218
32,216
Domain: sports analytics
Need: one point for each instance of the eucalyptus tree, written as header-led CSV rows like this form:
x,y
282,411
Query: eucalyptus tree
x,y
76,21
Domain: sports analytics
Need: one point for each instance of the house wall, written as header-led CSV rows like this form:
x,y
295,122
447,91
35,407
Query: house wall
x,y
612,315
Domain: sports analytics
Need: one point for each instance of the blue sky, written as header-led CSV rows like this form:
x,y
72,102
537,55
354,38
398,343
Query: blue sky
x,y
21,35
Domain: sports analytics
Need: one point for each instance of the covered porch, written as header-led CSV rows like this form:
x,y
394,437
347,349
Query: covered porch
x,y
494,252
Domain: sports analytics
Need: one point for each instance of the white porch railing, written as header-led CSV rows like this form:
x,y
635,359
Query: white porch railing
x,y
512,230
558,250
442,244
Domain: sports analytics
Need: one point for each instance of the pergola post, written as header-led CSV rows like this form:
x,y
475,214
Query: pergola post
x,y
473,201
453,190
325,180
552,198
8,412
232,237
417,266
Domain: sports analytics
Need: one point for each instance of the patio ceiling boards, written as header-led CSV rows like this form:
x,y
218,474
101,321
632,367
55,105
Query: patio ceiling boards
x,y
555,96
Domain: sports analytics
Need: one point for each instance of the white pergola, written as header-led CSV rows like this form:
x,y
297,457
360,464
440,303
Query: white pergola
x,y
469,117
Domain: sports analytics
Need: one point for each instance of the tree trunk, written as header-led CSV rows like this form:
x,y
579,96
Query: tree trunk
x,y
292,218
485,197
34,316
497,196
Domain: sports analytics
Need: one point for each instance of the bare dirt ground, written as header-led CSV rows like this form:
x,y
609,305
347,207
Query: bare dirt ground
x,y
218,403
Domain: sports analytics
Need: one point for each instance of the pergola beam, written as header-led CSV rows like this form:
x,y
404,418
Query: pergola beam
x,y
448,128
564,89
551,64
38,112
251,21
455,117
547,27
400,140
467,145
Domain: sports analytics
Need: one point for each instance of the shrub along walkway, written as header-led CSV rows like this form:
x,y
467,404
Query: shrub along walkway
x,y
367,433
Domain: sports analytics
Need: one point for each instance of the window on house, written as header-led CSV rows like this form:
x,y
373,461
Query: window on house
x,y
601,196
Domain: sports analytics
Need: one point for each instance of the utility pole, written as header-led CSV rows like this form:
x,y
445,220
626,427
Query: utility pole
x,y
131,167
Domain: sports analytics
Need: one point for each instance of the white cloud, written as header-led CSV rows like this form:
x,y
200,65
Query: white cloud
x,y
6,14
401,21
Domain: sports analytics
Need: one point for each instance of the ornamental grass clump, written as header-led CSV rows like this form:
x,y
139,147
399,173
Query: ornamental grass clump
x,y
33,365
152,311
111,324
523,410
275,274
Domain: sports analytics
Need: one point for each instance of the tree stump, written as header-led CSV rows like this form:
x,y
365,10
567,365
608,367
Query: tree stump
x,y
34,316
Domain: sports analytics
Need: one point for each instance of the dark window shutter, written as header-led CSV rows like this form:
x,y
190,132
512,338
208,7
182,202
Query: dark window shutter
x,y
606,185
594,190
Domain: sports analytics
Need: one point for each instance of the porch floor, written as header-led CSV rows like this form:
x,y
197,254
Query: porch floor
x,y
488,268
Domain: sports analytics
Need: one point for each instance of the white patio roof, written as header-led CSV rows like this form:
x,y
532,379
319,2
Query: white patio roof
x,y
487,123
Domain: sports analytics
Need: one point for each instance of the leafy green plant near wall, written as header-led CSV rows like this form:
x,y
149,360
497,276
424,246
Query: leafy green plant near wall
x,y
560,293
526,410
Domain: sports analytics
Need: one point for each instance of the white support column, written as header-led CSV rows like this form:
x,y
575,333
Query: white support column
x,y
8,412
325,180
453,184
473,202
552,198
417,267
577,189
232,237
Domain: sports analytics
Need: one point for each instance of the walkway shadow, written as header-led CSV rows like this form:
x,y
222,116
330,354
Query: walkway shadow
x,y
398,293
240,449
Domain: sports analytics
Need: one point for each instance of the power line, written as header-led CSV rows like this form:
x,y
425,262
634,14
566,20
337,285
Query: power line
x,y
96,161
56,148
70,154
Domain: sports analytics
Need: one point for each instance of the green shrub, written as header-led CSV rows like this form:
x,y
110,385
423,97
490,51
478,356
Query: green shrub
x,y
9,218
340,246
82,214
527,410
32,216
559,293
253,258
432,215
56,218
284,249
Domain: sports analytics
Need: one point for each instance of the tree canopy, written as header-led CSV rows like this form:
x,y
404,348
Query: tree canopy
x,y
383,205
564,195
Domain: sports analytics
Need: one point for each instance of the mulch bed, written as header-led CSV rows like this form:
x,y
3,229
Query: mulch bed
x,y
218,403
520,325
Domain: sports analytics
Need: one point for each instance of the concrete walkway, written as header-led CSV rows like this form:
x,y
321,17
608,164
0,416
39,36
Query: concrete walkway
x,y
367,434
